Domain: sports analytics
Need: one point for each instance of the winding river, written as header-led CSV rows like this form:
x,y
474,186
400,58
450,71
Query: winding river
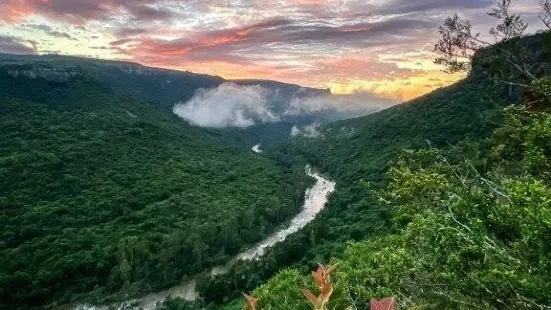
x,y
315,200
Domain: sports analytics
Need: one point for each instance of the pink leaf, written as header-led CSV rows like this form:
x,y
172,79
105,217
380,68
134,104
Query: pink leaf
x,y
383,304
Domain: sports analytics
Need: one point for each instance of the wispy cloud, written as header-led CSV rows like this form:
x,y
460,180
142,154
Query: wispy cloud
x,y
228,105
15,45
232,105
50,31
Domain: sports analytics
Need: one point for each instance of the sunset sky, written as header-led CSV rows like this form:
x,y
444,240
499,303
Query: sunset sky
x,y
378,46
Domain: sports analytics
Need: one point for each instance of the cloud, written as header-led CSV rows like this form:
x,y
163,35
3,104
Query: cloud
x,y
144,13
81,11
270,37
207,44
308,131
228,105
85,10
120,42
129,32
232,105
335,107
50,31
411,7
13,45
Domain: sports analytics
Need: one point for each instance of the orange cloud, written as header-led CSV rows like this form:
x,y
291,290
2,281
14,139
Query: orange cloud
x,y
400,88
13,11
299,41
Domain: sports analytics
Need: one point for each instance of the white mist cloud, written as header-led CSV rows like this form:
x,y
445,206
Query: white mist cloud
x,y
232,105
309,131
228,105
338,106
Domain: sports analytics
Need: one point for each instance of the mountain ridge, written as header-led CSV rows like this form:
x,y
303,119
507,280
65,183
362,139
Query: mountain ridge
x,y
169,86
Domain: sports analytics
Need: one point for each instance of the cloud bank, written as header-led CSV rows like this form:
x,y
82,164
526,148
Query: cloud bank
x,y
228,105
13,45
232,105
335,107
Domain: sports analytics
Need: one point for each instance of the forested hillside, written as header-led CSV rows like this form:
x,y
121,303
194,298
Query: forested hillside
x,y
163,86
102,193
471,228
358,153
442,202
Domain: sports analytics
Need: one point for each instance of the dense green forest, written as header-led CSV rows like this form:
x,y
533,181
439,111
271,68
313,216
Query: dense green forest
x,y
358,154
441,202
103,193
471,227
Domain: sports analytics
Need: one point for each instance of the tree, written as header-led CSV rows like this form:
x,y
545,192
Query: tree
x,y
545,16
511,26
458,42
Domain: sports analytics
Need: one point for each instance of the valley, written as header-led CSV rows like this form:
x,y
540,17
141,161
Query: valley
x,y
315,199
104,194
132,187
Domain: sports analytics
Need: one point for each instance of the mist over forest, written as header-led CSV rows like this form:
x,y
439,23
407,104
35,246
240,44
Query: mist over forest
x,y
233,105
252,155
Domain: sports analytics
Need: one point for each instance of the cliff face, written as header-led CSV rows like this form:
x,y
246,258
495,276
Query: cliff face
x,y
58,75
501,66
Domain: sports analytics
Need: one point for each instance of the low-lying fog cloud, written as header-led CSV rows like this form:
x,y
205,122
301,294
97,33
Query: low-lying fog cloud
x,y
334,107
232,105
228,105
308,131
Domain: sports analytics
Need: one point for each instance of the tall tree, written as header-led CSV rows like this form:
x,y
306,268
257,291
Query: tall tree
x,y
457,44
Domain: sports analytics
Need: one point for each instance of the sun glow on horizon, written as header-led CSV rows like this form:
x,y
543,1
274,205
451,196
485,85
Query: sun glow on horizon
x,y
346,46
399,89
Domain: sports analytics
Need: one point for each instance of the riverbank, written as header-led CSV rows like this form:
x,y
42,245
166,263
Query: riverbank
x,y
315,200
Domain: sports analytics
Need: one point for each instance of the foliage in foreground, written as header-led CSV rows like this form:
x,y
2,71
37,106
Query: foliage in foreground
x,y
474,227
322,279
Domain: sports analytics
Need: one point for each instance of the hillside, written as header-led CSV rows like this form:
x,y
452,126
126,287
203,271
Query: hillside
x,y
362,147
106,194
358,153
471,228
103,193
162,86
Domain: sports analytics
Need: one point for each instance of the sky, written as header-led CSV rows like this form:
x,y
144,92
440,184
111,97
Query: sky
x,y
383,47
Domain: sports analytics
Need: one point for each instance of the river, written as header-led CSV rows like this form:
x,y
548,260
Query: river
x,y
315,200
